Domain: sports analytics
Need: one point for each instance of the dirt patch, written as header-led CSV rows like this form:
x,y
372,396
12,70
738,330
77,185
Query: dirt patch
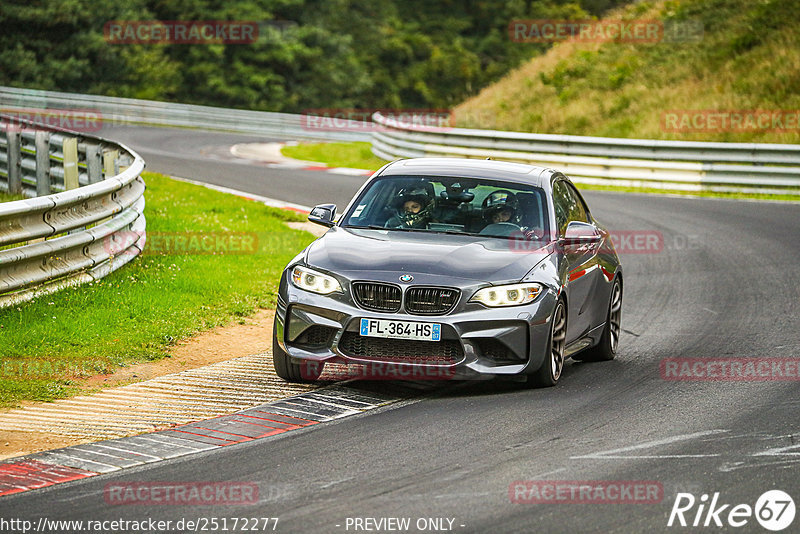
x,y
254,336
220,344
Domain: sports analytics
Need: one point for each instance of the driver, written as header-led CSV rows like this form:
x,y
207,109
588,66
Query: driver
x,y
500,207
502,215
413,209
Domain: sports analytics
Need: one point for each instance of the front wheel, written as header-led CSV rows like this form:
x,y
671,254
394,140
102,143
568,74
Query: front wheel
x,y
606,350
288,370
550,371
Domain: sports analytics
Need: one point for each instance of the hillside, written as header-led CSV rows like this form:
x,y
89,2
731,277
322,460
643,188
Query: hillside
x,y
748,58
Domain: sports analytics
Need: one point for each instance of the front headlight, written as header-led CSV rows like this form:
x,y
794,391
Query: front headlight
x,y
314,281
509,295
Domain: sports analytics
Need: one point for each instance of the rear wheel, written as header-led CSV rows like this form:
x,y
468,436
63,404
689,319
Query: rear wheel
x,y
550,371
286,369
607,348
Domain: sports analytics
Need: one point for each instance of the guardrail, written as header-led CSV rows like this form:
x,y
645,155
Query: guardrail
x,y
112,110
682,165
83,230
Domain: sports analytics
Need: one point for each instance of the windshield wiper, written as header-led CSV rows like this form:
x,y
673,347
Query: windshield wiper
x,y
368,227
376,227
403,229
450,232
456,232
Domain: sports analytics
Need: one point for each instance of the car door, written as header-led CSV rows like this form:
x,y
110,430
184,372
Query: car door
x,y
581,260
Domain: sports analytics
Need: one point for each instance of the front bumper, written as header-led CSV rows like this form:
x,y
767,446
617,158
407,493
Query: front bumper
x,y
476,340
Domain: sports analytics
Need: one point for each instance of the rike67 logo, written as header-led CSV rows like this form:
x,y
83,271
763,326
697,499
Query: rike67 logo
x,y
774,510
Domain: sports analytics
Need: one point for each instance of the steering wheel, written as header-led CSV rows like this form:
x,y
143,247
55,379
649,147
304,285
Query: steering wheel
x,y
501,228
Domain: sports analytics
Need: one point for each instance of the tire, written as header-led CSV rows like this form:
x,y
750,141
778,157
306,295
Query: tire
x,y
288,370
551,369
606,349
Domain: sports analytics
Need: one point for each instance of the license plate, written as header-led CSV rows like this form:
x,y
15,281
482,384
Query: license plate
x,y
401,329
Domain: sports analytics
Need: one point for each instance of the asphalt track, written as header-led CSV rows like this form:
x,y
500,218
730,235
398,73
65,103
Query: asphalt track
x,y
206,157
725,284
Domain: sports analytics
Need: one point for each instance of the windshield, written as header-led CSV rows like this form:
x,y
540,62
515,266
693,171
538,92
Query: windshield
x,y
471,206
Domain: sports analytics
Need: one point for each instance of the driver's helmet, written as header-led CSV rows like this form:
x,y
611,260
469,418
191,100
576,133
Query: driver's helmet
x,y
499,202
413,206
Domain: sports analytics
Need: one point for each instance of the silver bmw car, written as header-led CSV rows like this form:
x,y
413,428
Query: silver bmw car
x,y
456,268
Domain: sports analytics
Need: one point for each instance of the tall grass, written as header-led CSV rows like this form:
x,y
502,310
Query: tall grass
x,y
747,59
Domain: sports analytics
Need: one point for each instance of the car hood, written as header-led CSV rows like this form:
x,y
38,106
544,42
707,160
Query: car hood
x,y
352,252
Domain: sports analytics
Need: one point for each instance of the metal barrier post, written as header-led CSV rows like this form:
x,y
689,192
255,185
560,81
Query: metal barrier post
x,y
43,182
110,162
14,175
70,163
94,163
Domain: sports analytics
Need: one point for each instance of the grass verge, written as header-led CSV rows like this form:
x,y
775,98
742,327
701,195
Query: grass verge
x,y
356,155
169,293
6,197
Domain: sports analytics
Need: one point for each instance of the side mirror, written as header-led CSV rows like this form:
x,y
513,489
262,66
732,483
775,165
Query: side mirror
x,y
580,233
323,214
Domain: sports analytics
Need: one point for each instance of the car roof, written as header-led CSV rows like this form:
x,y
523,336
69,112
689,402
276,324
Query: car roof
x,y
472,168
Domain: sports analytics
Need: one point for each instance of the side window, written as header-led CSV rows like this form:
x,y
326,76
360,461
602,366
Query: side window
x,y
561,204
578,210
